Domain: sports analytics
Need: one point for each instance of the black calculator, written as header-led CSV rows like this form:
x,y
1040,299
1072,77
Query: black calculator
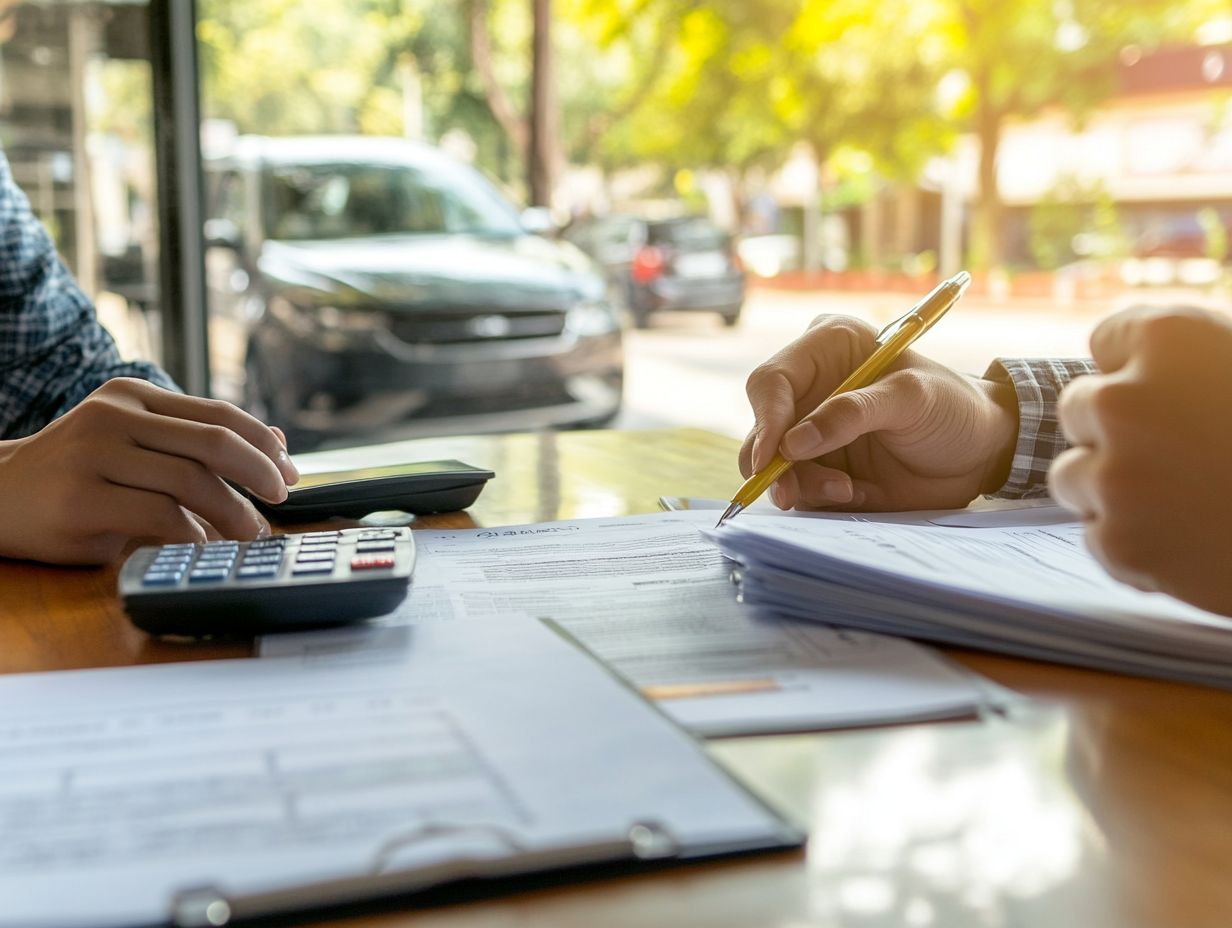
x,y
280,583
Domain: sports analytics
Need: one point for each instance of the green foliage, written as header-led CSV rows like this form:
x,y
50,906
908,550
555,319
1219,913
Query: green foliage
x,y
1215,232
731,84
1074,220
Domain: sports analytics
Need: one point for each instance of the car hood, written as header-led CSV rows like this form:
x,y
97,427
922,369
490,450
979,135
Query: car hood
x,y
436,270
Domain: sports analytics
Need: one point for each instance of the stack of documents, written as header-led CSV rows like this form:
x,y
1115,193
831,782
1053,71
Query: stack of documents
x,y
203,792
652,599
1030,589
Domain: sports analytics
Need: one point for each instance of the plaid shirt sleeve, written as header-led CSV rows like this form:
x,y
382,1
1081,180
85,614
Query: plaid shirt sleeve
x,y
1038,383
53,351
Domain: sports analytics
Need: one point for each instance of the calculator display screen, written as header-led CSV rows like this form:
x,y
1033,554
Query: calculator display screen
x,y
419,468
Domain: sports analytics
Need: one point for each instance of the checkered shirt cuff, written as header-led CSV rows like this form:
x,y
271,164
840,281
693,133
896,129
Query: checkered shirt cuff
x,y
1038,383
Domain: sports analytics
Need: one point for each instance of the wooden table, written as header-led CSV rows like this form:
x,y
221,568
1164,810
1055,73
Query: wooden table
x,y
1107,803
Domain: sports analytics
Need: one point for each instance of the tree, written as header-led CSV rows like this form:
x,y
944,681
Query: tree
x,y
1022,55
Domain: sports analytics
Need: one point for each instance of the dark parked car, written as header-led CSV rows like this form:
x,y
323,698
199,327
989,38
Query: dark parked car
x,y
686,263
376,287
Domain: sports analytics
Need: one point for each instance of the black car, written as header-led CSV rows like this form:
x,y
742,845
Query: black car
x,y
685,263
367,287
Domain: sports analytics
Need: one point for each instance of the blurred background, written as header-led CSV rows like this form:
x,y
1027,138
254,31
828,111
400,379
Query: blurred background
x,y
374,219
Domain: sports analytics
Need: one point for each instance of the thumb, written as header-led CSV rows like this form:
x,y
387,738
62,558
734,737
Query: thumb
x,y
840,420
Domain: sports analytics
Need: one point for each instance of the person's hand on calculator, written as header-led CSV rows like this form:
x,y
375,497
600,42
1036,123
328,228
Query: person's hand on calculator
x,y
132,461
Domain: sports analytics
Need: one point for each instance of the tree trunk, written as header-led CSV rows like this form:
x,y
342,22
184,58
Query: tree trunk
x,y
498,101
541,154
987,241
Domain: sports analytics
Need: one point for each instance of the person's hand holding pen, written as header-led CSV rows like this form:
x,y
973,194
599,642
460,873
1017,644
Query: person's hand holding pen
x,y
920,437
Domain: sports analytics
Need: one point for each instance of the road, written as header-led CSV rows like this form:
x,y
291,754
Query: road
x,y
687,370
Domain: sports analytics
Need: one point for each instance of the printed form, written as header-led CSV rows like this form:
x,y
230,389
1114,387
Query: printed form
x,y
653,599
121,787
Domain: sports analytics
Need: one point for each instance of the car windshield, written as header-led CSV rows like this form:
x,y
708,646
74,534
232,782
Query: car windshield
x,y
689,234
332,201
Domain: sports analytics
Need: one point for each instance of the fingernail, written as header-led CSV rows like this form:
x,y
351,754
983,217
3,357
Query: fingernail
x,y
803,441
840,491
263,528
287,465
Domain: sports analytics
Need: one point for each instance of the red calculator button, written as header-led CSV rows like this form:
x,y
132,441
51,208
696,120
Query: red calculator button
x,y
372,562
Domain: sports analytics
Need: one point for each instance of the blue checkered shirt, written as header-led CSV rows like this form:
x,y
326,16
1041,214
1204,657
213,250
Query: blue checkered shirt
x,y
1038,383
53,352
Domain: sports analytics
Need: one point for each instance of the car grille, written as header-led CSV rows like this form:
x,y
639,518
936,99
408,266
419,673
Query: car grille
x,y
442,328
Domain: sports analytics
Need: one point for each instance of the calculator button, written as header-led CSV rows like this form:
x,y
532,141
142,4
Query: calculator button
x,y
313,567
257,571
160,578
373,546
259,558
208,575
311,535
372,562
306,556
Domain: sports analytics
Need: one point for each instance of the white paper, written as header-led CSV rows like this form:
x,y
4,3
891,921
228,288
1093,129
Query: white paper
x,y
982,513
1033,589
119,787
650,597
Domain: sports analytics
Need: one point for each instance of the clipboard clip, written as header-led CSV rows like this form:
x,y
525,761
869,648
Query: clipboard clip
x,y
210,907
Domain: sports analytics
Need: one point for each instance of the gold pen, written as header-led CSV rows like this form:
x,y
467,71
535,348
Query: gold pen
x,y
892,341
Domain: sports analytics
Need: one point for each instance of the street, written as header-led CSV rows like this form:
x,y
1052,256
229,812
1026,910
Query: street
x,y
687,370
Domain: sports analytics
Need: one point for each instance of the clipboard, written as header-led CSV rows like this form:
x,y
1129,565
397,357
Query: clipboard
x,y
645,845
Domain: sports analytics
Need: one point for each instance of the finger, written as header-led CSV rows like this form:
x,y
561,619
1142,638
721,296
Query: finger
x,y
225,415
1072,482
1078,410
785,492
211,533
134,513
190,484
822,486
773,399
221,450
1126,334
800,376
840,420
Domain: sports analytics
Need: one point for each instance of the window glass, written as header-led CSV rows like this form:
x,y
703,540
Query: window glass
x,y
309,202
76,126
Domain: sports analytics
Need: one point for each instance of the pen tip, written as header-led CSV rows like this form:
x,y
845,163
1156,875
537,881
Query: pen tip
x,y
728,513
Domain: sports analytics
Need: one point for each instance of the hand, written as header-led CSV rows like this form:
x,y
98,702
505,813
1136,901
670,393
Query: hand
x,y
1152,441
921,437
133,460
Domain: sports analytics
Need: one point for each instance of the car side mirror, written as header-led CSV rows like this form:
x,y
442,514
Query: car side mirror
x,y
537,220
223,233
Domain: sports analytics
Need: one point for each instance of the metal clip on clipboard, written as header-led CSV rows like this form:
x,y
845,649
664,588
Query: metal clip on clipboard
x,y
210,907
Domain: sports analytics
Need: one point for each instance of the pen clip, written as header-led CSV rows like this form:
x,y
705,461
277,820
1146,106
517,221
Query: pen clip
x,y
928,310
893,328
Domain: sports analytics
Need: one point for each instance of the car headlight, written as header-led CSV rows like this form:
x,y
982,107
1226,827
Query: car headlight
x,y
351,319
591,317
305,320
